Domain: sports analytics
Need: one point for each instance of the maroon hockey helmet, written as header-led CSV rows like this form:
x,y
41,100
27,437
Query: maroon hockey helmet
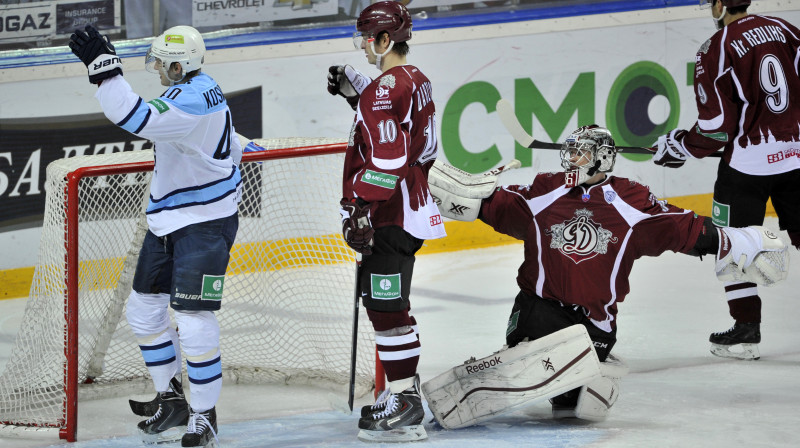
x,y
389,16
726,3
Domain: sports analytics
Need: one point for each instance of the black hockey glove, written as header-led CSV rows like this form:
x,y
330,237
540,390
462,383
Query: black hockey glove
x,y
348,82
97,53
356,226
670,151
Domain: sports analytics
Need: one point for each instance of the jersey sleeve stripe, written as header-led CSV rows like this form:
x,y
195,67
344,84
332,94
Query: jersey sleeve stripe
x,y
131,113
137,118
144,121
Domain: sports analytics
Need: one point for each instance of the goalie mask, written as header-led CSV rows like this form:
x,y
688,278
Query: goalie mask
x,y
182,44
587,151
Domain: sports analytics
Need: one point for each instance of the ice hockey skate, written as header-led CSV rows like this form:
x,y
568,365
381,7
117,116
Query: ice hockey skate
x,y
742,338
149,408
397,419
380,402
201,430
168,422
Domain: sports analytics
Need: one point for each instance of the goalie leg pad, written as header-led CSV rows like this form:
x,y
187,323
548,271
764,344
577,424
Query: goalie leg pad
x,y
594,401
519,376
596,397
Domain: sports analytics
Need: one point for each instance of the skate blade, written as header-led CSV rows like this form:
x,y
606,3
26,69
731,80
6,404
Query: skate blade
x,y
748,351
171,435
411,433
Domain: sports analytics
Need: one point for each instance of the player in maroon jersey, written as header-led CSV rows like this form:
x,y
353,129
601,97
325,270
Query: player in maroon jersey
x,y
583,229
747,92
387,208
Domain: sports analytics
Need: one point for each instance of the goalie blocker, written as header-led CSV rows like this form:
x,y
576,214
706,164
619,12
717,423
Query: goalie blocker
x,y
525,374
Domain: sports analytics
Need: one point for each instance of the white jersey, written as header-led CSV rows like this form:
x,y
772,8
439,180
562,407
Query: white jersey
x,y
197,153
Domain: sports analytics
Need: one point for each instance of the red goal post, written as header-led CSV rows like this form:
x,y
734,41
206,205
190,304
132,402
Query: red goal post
x,y
288,308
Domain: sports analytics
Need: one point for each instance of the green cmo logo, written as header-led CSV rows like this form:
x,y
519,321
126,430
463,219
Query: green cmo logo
x,y
628,108
643,103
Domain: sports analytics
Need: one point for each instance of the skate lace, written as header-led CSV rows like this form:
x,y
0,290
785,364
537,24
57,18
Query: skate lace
x,y
391,407
155,416
720,333
381,401
198,423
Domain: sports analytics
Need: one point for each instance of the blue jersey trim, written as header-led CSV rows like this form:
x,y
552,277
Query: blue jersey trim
x,y
200,96
199,195
137,118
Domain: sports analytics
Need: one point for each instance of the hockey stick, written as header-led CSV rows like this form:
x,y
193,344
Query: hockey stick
x,y
514,164
354,343
509,119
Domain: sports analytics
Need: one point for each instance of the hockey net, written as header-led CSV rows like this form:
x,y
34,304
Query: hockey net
x,y
287,312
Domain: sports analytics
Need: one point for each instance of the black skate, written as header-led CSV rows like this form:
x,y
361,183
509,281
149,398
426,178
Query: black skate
x,y
564,405
746,336
149,408
399,420
167,423
201,430
380,403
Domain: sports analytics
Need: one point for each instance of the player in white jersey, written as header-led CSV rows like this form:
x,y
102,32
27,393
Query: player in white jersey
x,y
192,217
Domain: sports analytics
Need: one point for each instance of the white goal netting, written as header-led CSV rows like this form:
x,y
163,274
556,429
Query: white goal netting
x,y
287,310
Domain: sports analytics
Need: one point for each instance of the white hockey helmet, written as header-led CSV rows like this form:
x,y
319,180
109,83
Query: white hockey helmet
x,y
587,151
182,44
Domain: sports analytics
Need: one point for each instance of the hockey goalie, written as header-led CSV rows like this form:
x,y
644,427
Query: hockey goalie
x,y
582,229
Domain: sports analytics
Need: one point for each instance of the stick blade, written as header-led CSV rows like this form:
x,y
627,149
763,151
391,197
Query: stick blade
x,y
509,119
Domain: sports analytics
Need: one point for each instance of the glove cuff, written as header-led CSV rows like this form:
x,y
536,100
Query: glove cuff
x,y
103,67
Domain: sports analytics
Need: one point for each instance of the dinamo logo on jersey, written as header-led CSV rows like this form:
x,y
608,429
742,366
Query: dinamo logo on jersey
x,y
580,238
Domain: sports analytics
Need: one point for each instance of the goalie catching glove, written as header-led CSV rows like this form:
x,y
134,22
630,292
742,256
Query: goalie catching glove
x,y
356,227
348,82
752,254
458,194
97,53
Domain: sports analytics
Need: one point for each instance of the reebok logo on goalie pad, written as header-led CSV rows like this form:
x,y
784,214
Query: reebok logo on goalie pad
x,y
475,368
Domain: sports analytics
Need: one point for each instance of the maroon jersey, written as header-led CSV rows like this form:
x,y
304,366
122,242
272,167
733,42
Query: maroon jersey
x,y
581,242
391,149
748,96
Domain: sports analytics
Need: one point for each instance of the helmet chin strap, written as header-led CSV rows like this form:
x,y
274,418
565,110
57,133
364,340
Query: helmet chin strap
x,y
379,57
720,23
172,82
